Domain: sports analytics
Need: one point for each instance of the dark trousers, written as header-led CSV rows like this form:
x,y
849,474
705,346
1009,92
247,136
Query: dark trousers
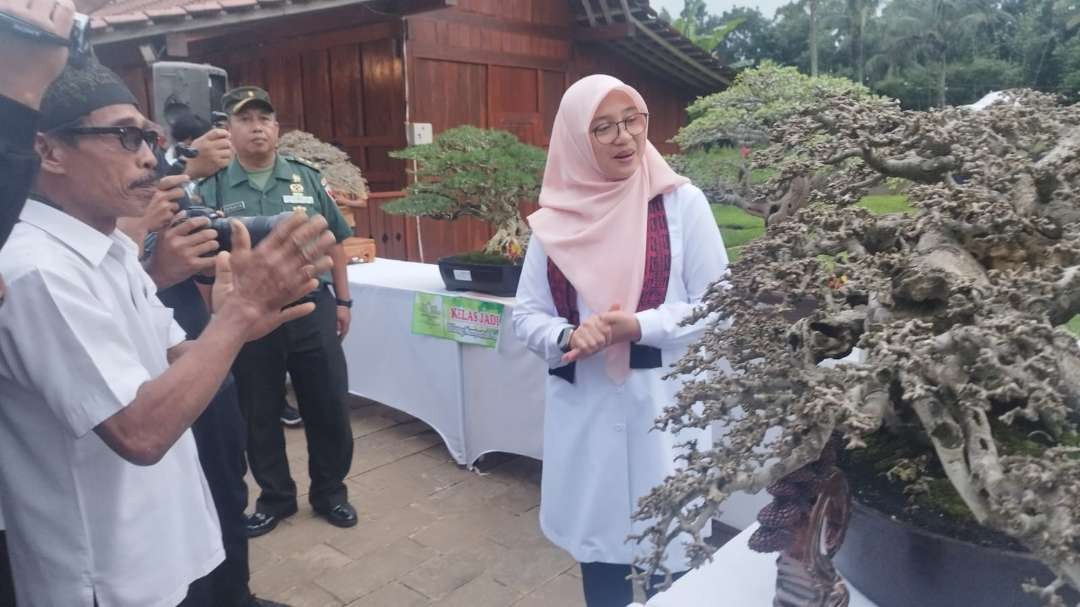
x,y
201,592
7,583
220,434
605,584
309,349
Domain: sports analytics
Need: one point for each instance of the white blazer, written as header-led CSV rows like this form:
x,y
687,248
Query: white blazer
x,y
600,455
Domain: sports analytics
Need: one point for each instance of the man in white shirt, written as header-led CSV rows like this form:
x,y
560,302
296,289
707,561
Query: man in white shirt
x,y
100,482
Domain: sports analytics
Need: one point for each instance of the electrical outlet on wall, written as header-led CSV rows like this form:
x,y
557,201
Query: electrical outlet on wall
x,y
418,133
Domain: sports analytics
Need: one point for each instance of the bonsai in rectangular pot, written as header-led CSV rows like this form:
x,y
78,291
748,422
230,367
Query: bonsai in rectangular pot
x,y
480,173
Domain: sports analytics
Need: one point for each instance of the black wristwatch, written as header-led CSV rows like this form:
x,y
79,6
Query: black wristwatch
x,y
564,339
344,303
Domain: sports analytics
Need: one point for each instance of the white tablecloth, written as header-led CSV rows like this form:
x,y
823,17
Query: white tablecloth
x,y
478,399
737,576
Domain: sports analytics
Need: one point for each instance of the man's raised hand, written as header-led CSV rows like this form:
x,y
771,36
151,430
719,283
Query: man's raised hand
x,y
253,286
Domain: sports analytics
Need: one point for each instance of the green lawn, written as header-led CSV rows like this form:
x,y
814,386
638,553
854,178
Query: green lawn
x,y
729,216
883,204
737,227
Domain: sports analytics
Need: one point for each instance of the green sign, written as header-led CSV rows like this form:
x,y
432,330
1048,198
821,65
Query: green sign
x,y
465,320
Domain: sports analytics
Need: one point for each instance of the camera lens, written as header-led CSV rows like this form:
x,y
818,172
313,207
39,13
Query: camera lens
x,y
258,228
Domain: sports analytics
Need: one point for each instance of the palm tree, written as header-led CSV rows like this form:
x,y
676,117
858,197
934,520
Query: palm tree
x,y
858,11
692,25
936,31
1070,12
812,5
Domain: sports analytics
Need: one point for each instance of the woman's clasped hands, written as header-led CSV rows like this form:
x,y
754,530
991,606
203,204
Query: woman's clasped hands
x,y
600,331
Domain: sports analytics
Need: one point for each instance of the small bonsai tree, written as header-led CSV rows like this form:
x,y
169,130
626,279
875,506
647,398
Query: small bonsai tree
x,y
958,309
472,172
343,177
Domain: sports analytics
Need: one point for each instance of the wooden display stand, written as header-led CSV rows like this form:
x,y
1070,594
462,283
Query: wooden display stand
x,y
362,249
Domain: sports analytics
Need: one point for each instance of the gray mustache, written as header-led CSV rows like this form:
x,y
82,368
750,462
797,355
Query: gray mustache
x,y
143,182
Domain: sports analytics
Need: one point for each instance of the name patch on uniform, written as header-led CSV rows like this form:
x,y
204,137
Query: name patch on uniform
x,y
232,207
298,199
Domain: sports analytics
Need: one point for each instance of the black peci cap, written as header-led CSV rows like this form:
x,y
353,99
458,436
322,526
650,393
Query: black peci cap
x,y
80,90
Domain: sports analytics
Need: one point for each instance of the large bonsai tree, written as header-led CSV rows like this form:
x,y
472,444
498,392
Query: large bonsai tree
x,y
957,308
472,172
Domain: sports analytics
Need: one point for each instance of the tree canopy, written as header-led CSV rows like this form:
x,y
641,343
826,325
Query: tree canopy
x,y
925,53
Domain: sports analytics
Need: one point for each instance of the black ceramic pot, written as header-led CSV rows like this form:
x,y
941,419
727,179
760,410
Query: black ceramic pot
x,y
500,280
896,564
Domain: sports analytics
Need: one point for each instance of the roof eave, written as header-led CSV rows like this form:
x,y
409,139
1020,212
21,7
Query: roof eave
x,y
234,15
637,30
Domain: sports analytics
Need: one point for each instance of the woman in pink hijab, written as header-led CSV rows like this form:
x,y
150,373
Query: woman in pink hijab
x,y
622,250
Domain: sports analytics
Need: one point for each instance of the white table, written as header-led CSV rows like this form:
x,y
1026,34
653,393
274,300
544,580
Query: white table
x,y
480,400
736,576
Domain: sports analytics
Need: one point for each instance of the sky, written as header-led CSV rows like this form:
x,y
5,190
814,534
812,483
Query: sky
x,y
767,7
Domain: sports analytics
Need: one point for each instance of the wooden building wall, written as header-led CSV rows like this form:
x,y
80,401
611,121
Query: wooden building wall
x,y
337,75
505,64
341,75
346,87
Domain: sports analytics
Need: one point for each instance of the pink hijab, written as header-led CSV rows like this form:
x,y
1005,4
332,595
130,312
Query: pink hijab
x,y
591,227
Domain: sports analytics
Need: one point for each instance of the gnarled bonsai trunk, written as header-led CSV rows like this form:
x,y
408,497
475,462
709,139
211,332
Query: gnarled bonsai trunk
x,y
510,239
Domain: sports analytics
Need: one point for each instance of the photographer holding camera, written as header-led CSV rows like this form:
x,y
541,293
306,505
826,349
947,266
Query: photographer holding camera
x,y
102,488
261,182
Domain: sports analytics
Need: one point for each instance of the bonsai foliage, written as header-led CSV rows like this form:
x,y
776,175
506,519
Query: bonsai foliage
x,y
471,172
957,310
721,173
743,113
741,116
340,173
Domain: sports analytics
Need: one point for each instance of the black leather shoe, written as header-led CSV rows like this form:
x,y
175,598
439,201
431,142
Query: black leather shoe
x,y
342,515
260,523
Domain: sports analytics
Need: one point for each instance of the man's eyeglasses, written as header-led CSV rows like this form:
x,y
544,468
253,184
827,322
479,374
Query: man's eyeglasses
x,y
130,136
608,132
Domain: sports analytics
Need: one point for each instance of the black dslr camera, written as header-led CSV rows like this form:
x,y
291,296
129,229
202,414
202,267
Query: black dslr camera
x,y
258,227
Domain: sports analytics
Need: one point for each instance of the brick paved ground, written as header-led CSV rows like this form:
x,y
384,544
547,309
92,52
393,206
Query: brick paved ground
x,y
430,532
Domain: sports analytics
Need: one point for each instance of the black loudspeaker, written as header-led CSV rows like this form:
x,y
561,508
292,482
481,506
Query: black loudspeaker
x,y
180,87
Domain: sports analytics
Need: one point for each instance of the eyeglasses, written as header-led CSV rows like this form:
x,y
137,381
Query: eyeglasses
x,y
130,136
634,125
